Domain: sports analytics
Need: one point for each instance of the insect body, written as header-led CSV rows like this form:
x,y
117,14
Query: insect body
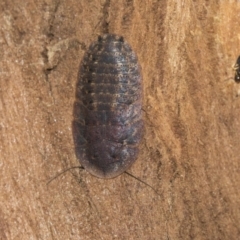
x,y
107,125
237,70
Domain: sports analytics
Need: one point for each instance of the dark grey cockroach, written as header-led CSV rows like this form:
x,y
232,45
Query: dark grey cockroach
x,y
108,125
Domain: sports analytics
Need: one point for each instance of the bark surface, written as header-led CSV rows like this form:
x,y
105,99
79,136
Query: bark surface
x,y
190,152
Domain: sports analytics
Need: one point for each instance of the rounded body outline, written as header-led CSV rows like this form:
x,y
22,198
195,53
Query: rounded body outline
x,y
108,126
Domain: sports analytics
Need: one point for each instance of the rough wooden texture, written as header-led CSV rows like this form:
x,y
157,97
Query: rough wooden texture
x,y
191,148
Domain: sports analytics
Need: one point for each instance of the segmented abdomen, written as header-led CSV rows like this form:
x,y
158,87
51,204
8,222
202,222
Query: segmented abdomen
x,y
107,125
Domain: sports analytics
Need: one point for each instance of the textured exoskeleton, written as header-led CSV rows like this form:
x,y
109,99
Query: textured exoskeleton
x,y
107,125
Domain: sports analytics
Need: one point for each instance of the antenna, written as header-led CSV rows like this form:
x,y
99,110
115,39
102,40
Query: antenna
x,y
63,173
142,182
80,167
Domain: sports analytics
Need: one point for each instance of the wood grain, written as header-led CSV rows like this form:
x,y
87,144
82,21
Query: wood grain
x,y
190,152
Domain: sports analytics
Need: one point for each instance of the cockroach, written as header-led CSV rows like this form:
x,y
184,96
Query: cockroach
x,y
108,126
107,122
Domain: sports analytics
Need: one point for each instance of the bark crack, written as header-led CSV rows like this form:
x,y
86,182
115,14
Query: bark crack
x,y
49,35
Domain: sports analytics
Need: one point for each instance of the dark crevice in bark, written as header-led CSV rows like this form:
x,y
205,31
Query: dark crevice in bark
x,y
50,35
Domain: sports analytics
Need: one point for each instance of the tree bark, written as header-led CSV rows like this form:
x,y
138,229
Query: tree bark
x,y
190,152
